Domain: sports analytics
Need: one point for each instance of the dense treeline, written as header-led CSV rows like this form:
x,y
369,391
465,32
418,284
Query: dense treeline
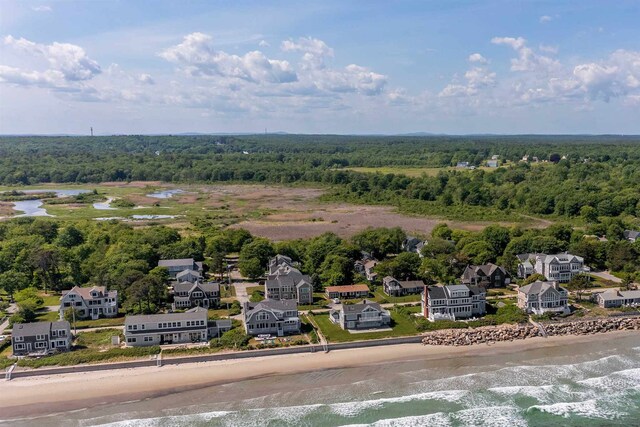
x,y
590,176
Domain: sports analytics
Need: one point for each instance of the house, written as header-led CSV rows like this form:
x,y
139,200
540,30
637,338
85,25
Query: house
x,y
40,338
189,275
495,157
486,275
631,235
277,261
367,315
90,303
492,163
369,272
615,298
347,292
397,288
540,297
285,282
173,328
175,266
453,302
189,295
410,243
559,267
463,165
276,318
218,327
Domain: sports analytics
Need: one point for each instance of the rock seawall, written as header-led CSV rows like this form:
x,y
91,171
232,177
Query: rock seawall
x,y
487,334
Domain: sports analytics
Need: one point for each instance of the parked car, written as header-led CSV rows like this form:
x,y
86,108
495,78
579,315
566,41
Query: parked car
x,y
336,300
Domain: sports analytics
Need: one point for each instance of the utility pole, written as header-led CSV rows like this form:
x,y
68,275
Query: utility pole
x,y
91,130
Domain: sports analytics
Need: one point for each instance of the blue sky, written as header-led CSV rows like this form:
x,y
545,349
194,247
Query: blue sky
x,y
320,67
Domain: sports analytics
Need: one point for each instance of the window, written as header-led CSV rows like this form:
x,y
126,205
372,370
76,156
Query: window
x,y
18,339
148,339
41,345
19,346
131,339
40,337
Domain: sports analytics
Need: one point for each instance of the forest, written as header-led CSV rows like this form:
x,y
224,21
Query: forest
x,y
578,177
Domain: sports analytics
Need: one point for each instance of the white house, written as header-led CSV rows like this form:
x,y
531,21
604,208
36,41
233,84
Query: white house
x,y
453,302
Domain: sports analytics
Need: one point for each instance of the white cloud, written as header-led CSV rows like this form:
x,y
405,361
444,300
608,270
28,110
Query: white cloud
x,y
314,51
527,59
549,49
199,58
264,43
42,8
146,79
476,57
69,59
545,18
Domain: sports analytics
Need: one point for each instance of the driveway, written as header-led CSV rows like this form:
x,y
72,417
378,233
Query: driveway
x,y
10,310
606,276
241,290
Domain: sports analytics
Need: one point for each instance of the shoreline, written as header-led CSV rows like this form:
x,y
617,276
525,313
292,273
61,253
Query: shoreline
x,y
57,394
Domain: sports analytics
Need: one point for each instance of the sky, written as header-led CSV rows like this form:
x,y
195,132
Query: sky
x,y
338,67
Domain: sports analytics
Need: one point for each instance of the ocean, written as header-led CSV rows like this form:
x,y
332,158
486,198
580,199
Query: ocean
x,y
585,384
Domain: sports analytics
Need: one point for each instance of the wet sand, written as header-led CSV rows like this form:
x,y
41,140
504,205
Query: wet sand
x,y
43,395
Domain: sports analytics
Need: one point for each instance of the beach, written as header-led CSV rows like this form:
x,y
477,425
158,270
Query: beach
x,y
28,398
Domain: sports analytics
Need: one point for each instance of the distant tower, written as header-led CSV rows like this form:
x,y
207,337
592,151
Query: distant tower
x,y
91,130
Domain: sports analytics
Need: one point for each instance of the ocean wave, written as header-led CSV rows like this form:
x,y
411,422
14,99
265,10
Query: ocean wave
x,y
438,419
539,392
351,409
588,408
615,381
490,416
174,420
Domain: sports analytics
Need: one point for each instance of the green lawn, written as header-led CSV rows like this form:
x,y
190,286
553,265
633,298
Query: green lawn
x,y
227,291
50,299
48,316
96,340
402,324
218,313
252,289
319,302
100,323
381,297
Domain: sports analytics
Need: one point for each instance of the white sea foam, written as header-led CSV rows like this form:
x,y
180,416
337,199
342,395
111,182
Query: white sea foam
x,y
615,382
438,419
588,408
490,416
540,392
351,409
174,420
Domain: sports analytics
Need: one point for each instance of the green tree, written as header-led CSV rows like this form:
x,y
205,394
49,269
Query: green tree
x,y
12,281
336,270
579,284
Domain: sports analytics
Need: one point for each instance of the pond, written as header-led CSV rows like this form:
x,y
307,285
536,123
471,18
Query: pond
x,y
165,194
104,206
34,207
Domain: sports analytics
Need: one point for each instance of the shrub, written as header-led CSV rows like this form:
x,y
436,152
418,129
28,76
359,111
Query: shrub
x,y
89,356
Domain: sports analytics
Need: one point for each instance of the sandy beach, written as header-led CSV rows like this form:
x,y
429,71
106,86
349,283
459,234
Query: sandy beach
x,y
42,395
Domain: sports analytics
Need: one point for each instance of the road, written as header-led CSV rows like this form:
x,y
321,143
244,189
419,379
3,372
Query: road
x,y
10,310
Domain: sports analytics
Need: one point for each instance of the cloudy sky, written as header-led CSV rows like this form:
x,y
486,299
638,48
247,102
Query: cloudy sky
x,y
134,66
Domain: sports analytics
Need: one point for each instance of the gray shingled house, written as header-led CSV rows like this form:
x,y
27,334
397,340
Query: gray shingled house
x,y
366,315
90,303
487,275
540,297
396,288
189,295
173,328
175,266
271,317
40,338
285,282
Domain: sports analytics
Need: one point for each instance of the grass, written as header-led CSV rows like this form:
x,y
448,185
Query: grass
x,y
319,302
48,316
96,340
382,298
227,291
50,299
402,325
218,313
100,323
252,289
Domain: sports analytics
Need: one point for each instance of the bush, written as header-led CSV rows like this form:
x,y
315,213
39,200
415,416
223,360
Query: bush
x,y
235,308
256,296
235,338
89,356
